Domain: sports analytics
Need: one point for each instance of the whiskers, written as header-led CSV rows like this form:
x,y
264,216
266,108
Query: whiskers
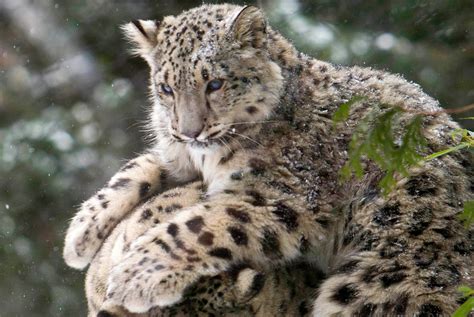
x,y
221,140
251,122
245,137
230,137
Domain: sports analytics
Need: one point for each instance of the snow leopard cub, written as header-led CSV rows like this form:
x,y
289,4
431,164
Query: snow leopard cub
x,y
237,106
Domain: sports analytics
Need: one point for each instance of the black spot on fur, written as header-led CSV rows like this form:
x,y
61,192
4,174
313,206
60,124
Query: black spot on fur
x,y
443,276
163,245
421,185
396,307
195,225
172,207
257,166
345,294
387,215
430,310
163,175
144,189
389,273
238,235
348,267
426,254
146,214
105,204
281,186
353,230
173,229
400,306
445,232
120,183
257,198
222,253
367,310
463,247
420,220
238,214
180,245
286,215
206,238
193,259
367,240
271,244
251,109
324,221
370,273
393,247
143,261
392,278
257,284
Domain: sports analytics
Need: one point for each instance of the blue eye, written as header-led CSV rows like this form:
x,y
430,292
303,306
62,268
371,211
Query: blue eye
x,y
214,85
166,89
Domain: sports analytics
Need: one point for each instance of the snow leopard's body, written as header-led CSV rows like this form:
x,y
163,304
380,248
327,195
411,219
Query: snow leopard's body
x,y
238,107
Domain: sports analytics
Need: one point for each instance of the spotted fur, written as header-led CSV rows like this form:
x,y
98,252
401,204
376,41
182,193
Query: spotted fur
x,y
267,152
236,292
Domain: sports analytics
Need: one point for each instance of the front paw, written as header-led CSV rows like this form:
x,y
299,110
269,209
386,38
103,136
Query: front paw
x,y
141,282
81,243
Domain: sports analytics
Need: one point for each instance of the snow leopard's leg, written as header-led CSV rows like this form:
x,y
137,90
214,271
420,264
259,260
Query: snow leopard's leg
x,y
97,216
207,239
228,291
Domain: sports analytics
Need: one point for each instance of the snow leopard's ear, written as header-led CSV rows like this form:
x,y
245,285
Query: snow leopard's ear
x,y
249,27
143,35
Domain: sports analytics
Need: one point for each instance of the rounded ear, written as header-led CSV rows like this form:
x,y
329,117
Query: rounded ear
x,y
143,36
249,27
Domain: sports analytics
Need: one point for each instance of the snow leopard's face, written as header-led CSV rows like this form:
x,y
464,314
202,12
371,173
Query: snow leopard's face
x,y
212,78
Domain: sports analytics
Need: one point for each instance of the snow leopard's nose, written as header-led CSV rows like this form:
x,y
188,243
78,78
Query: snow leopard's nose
x,y
191,114
192,132
191,124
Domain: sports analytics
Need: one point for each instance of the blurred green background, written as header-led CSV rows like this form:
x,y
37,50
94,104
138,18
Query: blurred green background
x,y
73,102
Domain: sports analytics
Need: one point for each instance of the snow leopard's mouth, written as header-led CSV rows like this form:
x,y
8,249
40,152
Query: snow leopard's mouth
x,y
200,144
223,137
209,142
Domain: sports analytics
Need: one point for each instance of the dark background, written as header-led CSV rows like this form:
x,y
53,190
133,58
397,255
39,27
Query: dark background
x,y
73,102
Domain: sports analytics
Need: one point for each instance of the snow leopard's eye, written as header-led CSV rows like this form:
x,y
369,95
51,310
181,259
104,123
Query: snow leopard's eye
x,y
214,85
167,89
